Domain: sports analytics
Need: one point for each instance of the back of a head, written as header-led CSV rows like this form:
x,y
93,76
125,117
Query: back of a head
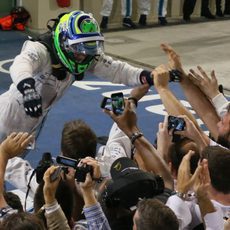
x,y
218,165
22,221
180,149
78,140
13,200
153,214
129,184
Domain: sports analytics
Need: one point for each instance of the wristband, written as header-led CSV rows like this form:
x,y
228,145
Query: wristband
x,y
134,100
28,83
135,136
146,77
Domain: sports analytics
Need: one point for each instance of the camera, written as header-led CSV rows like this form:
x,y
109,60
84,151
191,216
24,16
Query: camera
x,y
43,165
176,123
81,171
118,103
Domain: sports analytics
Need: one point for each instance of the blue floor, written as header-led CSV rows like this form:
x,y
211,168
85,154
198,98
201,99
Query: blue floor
x,y
80,102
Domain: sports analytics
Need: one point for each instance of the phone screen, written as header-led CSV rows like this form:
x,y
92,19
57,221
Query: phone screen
x,y
176,123
106,103
67,161
118,103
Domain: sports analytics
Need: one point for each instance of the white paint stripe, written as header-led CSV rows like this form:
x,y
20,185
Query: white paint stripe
x,y
3,63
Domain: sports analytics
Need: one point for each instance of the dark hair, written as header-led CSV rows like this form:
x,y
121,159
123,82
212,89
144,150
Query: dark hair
x,y
153,214
179,150
219,167
78,140
22,221
64,196
13,201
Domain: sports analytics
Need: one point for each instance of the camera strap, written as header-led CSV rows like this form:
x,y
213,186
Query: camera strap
x,y
28,188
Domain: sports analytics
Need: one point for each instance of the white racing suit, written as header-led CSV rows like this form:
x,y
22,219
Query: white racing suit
x,y
126,8
34,61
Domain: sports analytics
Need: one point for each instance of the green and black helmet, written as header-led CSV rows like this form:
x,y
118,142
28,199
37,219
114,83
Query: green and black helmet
x,y
77,34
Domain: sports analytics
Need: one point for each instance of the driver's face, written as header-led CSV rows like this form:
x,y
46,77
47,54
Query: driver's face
x,y
79,57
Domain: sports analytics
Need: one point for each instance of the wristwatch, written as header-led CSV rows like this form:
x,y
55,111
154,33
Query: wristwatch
x,y
135,136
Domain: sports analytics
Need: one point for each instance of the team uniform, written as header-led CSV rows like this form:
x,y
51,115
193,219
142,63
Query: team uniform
x,y
34,60
46,68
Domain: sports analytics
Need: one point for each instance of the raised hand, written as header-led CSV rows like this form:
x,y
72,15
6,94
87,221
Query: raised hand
x,y
15,144
208,85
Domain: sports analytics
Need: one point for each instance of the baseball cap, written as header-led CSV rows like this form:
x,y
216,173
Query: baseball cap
x,y
130,184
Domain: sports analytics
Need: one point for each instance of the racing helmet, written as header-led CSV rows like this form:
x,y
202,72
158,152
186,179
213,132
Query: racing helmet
x,y
77,40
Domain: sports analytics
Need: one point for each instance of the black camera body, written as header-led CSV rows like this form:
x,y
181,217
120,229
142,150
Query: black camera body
x,y
43,165
81,171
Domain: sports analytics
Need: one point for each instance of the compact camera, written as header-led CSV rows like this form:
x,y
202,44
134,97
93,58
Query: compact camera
x,y
43,165
81,171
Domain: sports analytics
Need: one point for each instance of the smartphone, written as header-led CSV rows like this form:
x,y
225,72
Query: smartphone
x,y
118,103
106,103
67,161
176,123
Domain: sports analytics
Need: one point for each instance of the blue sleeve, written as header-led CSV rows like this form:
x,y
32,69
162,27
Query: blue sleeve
x,y
96,218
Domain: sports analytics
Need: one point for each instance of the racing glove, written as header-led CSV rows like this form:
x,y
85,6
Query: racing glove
x,y
32,101
147,77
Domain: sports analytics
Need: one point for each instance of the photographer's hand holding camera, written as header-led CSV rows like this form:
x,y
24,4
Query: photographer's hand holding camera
x,y
87,187
127,122
50,187
54,214
94,215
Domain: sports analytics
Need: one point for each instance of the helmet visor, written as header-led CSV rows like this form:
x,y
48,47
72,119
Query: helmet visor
x,y
88,48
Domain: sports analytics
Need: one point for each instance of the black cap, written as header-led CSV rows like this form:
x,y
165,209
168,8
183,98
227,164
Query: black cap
x,y
123,166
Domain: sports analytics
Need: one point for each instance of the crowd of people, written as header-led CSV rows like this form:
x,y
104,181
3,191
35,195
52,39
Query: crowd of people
x,y
144,9
179,182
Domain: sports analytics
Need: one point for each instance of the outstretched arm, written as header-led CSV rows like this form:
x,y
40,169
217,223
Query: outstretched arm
x,y
153,162
200,103
172,105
